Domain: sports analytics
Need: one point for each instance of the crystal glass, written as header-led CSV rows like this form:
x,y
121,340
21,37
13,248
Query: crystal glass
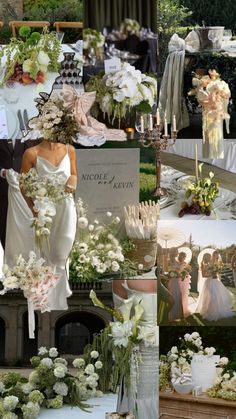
x,y
227,35
11,92
60,36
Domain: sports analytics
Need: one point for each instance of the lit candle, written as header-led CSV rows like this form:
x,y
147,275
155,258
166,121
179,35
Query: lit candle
x,y
150,122
165,128
196,162
142,124
158,117
174,123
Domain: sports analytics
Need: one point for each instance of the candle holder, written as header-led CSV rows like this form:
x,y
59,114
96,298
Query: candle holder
x,y
154,138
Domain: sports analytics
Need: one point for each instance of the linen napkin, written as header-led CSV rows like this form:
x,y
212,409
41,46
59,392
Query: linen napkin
x,y
3,125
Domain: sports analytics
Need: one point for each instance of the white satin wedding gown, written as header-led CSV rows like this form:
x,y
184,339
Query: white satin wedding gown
x,y
215,302
142,395
20,237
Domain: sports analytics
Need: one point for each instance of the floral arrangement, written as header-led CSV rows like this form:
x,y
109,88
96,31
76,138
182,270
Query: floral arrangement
x,y
55,122
178,273
225,385
45,192
31,276
92,39
118,93
176,365
30,57
124,335
49,385
203,193
35,279
97,251
212,94
130,26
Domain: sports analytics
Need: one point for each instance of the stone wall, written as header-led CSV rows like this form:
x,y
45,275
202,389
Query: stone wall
x,y
11,10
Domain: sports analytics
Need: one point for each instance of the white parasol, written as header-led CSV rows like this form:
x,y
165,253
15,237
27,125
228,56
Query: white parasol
x,y
188,253
169,237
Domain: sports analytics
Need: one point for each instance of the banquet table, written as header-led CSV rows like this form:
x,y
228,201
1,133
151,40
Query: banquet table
x,y
223,205
185,147
104,404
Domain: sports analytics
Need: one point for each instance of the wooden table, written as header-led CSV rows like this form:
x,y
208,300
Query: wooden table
x,y
177,406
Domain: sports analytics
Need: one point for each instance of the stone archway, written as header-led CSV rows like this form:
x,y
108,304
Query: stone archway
x,y
73,331
29,346
2,339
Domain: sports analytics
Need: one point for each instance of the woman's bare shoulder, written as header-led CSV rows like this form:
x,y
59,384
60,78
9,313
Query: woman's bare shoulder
x,y
71,150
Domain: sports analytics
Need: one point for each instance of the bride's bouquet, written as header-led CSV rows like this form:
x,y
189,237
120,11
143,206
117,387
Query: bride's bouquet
x,y
31,276
45,192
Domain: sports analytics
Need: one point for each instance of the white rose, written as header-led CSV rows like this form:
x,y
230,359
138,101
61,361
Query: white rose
x,y
43,58
195,335
174,350
115,266
224,361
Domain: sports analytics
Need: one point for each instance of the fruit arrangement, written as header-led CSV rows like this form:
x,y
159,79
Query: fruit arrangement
x,y
203,193
29,58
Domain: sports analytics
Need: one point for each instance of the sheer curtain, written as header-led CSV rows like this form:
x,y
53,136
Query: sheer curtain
x,y
100,13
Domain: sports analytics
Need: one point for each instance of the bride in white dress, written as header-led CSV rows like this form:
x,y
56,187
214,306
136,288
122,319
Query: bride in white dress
x,y
215,302
48,158
142,394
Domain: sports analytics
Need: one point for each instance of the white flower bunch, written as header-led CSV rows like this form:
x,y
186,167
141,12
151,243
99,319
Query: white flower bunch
x,y
96,250
130,26
92,39
87,376
119,92
46,192
32,277
181,358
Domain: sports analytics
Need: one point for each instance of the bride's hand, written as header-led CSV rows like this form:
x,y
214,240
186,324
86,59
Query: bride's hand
x,y
71,184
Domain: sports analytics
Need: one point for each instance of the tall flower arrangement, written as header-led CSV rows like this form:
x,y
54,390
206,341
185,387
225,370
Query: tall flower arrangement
x,y
92,39
29,58
130,26
118,93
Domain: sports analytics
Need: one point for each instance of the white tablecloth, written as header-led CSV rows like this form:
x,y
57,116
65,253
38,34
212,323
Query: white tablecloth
x,y
104,404
186,147
170,211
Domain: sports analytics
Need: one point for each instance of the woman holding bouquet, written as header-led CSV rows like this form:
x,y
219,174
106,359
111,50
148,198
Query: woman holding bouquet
x,y
215,302
174,286
185,282
53,159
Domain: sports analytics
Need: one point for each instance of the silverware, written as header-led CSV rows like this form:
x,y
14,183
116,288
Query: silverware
x,y
26,119
21,122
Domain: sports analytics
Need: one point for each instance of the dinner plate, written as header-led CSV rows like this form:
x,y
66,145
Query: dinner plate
x,y
182,183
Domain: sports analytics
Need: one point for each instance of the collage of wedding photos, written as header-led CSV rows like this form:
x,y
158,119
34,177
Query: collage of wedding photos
x,y
117,209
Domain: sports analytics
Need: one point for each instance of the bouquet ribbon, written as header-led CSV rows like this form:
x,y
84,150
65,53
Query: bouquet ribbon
x,y
179,377
88,126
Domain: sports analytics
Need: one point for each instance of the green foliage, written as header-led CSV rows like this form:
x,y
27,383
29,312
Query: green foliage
x,y
214,12
171,15
147,181
53,10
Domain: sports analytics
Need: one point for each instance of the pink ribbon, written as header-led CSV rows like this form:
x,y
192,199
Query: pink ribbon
x,y
88,126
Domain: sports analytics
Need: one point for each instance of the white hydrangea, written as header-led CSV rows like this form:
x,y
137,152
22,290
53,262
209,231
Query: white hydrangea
x,y
27,388
60,371
60,388
10,415
89,369
195,335
91,381
2,387
224,360
94,354
10,402
42,351
53,352
47,361
79,363
98,365
34,377
30,410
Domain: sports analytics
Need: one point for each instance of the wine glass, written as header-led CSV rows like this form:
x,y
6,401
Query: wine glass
x,y
227,35
60,36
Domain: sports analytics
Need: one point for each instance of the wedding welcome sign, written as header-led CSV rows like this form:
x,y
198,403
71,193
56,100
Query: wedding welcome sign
x,y
108,179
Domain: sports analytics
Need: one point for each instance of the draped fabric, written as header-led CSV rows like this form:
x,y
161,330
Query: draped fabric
x,y
110,13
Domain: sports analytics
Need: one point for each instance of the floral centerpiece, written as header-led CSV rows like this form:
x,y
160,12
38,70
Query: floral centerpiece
x,y
49,385
29,58
97,251
119,93
55,122
213,95
130,26
45,192
203,193
123,337
93,39
224,386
